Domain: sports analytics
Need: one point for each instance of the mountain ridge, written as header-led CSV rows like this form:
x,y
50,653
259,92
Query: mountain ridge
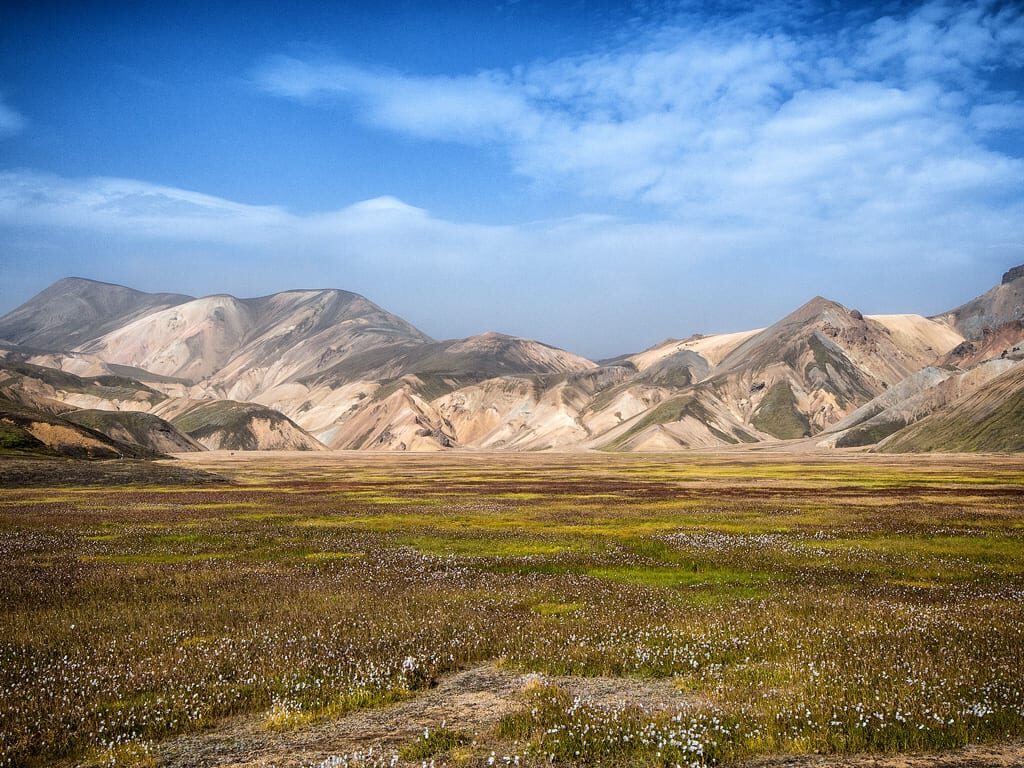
x,y
316,368
89,308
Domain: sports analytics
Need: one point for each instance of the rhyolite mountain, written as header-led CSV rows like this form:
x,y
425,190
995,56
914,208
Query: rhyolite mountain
x,y
52,410
997,307
990,418
75,310
315,369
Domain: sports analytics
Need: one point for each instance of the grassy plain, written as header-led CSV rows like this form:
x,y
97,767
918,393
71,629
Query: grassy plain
x,y
803,604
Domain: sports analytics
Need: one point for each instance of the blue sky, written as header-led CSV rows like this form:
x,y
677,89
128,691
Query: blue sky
x,y
598,175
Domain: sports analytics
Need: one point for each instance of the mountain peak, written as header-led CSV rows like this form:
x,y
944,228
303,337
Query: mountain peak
x,y
813,309
1014,274
75,281
995,308
493,336
75,309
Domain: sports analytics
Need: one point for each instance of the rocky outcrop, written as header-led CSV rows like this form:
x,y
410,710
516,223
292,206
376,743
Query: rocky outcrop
x,y
1001,305
1012,275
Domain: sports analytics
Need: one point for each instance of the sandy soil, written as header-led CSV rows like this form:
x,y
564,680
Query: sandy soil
x,y
712,348
920,334
472,701
59,435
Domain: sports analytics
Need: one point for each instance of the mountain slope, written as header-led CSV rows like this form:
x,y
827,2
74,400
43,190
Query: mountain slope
x,y
243,346
300,333
1001,305
75,310
989,419
397,397
911,400
229,425
24,429
538,412
472,359
818,364
50,389
694,418
711,348
144,430
1003,341
189,341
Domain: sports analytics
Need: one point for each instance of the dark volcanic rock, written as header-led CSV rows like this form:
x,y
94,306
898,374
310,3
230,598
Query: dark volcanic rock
x,y
1013,274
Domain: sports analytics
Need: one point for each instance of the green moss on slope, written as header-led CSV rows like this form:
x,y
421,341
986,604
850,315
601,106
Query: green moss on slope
x,y
15,439
869,435
778,415
1002,429
227,415
235,421
668,412
141,426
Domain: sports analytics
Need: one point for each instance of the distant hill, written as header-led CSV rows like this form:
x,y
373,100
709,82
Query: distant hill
x,y
75,310
315,369
989,419
995,308
144,430
225,424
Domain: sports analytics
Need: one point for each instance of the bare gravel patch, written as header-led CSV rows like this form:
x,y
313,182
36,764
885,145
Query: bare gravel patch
x,y
471,702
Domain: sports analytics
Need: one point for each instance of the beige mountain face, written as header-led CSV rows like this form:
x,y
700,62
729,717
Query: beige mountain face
x,y
190,341
711,348
101,416
989,418
317,369
75,310
1001,305
521,413
242,347
230,425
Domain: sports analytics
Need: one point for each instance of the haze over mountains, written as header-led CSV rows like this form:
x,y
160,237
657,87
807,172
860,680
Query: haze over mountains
x,y
100,369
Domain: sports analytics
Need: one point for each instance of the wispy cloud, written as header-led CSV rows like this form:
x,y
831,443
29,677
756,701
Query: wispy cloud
x,y
730,119
11,121
130,208
874,163
596,284
484,107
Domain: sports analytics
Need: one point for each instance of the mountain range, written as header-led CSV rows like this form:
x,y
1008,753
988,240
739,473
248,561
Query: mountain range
x,y
95,369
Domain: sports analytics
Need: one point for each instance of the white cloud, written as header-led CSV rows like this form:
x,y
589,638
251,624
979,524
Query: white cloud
x,y
998,116
130,207
729,119
11,122
599,285
465,108
945,39
769,164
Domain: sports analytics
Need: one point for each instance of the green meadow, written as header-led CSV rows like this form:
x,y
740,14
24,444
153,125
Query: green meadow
x,y
801,604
